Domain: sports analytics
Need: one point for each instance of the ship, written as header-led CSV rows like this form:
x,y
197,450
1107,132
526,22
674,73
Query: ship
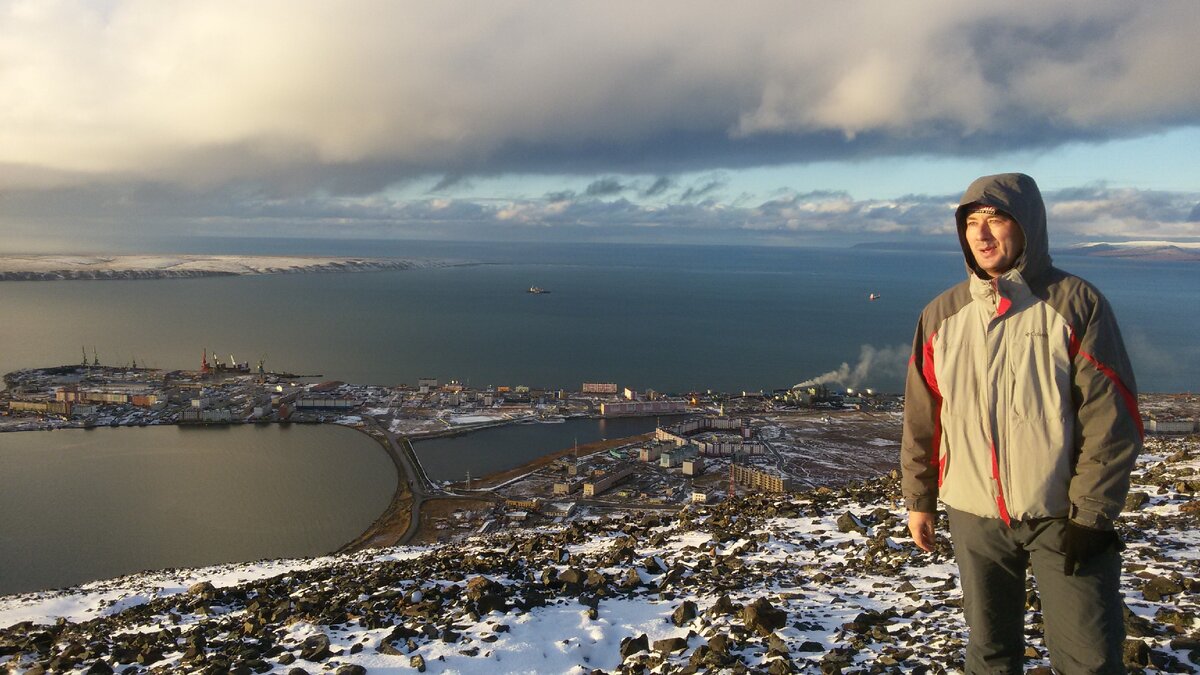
x,y
537,290
874,296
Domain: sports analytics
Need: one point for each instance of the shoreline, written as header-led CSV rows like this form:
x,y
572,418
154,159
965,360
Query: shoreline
x,y
400,522
490,481
175,266
391,526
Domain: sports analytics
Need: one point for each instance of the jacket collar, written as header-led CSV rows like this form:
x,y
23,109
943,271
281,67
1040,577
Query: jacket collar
x,y
1002,294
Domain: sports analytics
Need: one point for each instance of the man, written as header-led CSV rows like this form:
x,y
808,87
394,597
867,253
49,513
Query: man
x,y
1021,417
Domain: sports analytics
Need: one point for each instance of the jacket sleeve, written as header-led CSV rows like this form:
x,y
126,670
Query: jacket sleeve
x,y
1108,426
922,426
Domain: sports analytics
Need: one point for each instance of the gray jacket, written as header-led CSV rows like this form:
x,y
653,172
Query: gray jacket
x,y
1019,401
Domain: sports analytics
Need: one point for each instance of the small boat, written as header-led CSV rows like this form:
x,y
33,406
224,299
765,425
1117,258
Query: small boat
x,y
874,296
537,290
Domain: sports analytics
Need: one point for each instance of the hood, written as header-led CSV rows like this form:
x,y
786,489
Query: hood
x,y
1017,195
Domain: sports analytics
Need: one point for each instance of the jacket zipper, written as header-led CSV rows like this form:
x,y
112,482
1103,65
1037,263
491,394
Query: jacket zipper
x,y
1002,389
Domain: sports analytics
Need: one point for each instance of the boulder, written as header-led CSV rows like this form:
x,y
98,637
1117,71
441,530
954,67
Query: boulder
x,y
763,618
848,522
201,588
722,607
684,613
1136,500
571,576
1156,588
668,645
315,648
631,646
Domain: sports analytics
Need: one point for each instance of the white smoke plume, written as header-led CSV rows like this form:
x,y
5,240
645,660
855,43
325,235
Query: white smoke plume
x,y
878,362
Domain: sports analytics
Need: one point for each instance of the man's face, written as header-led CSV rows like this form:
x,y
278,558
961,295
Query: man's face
x,y
996,241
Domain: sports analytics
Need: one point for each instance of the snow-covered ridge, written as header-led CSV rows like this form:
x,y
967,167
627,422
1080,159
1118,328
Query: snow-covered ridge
x,y
1148,249
55,267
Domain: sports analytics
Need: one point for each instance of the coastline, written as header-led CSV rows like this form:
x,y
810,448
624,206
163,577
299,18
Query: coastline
x,y
97,267
391,526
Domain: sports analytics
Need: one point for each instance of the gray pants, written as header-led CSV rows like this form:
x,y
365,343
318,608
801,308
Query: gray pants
x,y
1083,616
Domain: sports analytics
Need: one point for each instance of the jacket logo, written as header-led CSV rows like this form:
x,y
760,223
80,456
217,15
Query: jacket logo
x,y
1037,334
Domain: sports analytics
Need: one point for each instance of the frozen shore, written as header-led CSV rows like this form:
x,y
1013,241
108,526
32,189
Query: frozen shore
x,y
59,267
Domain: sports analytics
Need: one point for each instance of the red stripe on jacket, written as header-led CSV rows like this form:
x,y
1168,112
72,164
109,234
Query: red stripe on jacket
x,y
999,487
930,376
1127,396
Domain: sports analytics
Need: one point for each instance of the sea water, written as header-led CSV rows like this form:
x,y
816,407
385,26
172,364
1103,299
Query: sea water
x,y
77,505
669,318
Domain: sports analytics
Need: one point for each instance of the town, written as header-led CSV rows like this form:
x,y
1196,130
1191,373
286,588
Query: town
x,y
706,446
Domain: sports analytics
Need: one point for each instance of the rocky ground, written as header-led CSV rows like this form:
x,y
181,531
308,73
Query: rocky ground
x,y
824,581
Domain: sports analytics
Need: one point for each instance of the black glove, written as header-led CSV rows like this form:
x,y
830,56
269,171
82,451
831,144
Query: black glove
x,y
1081,544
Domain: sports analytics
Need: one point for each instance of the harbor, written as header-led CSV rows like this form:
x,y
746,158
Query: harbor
x,y
463,461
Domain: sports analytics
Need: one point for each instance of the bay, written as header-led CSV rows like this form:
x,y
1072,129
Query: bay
x,y
671,318
503,448
79,505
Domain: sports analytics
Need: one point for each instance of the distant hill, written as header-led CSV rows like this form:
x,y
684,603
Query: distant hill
x,y
1146,250
55,267
918,245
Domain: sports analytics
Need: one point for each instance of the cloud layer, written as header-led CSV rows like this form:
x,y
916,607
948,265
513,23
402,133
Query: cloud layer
x,y
698,211
349,97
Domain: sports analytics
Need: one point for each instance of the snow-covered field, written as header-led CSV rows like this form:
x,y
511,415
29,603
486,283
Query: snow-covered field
x,y
48,267
824,581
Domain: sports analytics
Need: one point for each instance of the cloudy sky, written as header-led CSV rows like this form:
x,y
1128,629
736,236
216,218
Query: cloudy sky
x,y
787,123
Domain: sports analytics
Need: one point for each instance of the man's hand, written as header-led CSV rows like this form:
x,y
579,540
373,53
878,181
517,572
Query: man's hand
x,y
921,525
1081,544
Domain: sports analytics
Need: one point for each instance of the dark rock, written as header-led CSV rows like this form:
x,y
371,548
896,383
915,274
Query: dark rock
x,y
848,522
810,646
684,613
1136,626
630,580
1156,588
668,645
781,666
777,644
99,668
1136,654
1185,644
571,576
418,662
1136,500
654,565
297,671
286,659
763,618
720,644
722,607
480,586
315,648
594,580
352,669
202,588
631,646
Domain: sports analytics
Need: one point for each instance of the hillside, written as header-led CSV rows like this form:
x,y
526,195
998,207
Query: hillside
x,y
823,581
60,267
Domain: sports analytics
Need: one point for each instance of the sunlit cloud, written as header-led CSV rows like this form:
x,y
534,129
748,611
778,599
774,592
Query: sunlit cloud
x,y
277,117
315,93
